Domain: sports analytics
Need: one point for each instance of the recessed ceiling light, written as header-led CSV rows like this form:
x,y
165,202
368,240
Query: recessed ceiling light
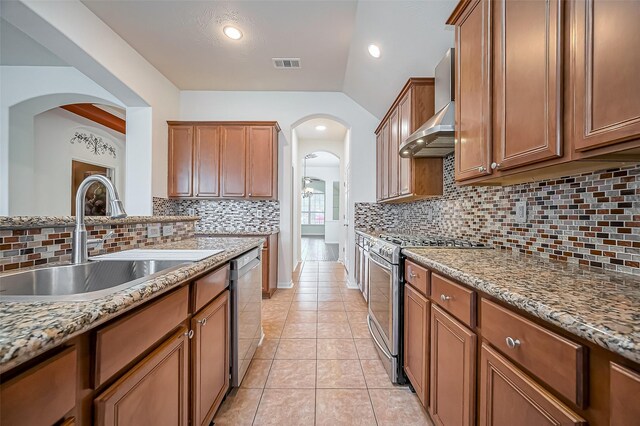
x,y
374,50
321,127
232,32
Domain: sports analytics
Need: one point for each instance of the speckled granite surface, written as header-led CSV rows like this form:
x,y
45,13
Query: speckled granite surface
x,y
602,307
19,222
29,329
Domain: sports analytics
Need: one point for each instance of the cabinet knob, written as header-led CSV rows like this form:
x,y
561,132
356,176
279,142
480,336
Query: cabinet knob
x,y
202,322
444,297
412,274
482,169
189,334
512,343
495,165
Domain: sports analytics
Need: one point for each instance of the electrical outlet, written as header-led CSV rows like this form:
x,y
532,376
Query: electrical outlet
x,y
259,213
167,230
521,212
153,231
429,215
191,211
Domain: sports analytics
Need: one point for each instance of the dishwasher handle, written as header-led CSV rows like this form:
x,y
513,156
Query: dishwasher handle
x,y
242,265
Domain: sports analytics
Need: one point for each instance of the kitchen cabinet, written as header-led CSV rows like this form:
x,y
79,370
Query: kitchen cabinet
x,y
624,389
473,91
220,160
603,80
453,373
527,82
416,337
210,359
270,266
508,396
540,93
154,392
180,161
402,179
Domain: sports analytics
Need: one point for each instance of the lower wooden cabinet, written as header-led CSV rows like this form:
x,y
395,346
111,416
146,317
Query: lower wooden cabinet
x,y
270,266
210,359
416,337
624,391
453,370
509,397
154,392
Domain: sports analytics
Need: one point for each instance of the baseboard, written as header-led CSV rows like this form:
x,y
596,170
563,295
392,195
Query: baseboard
x,y
351,284
285,284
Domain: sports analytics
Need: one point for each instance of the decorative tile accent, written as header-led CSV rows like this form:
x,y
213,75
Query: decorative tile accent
x,y
224,216
22,248
589,219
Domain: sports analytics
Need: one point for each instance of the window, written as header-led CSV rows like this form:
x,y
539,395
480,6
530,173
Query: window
x,y
313,209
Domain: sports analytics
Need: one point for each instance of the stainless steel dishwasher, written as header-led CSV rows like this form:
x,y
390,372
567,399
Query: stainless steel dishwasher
x,y
246,304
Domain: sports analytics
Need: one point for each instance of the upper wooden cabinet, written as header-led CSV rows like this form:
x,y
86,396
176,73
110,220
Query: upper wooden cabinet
x,y
545,88
473,91
604,73
400,179
223,160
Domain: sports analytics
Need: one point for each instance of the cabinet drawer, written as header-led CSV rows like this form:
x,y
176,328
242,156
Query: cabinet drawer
x,y
624,388
121,342
210,286
417,276
28,399
531,345
457,300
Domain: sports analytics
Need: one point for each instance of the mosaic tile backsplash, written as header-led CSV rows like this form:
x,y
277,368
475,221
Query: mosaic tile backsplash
x,y
590,219
22,248
224,216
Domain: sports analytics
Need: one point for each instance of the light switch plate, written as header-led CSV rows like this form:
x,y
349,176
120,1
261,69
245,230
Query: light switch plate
x,y
153,231
521,212
167,230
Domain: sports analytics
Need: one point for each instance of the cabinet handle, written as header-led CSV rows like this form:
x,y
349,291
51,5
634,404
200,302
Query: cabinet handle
x,y
444,298
495,165
412,274
512,343
189,334
482,169
202,322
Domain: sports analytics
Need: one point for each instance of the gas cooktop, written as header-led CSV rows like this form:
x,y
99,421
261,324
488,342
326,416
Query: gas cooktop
x,y
405,240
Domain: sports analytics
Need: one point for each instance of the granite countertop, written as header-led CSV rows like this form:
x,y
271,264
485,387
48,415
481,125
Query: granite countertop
x,y
239,233
600,306
28,329
21,222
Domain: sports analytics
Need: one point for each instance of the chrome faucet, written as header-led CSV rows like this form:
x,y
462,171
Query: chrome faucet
x,y
80,254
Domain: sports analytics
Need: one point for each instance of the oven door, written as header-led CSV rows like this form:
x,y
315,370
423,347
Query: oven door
x,y
384,303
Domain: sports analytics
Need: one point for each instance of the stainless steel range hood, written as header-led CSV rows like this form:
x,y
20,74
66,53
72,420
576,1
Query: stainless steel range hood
x,y
435,138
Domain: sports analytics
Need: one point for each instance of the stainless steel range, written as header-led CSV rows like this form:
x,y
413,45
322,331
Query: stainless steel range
x,y
386,291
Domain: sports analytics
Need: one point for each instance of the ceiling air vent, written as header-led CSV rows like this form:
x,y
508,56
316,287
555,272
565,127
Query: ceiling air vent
x,y
286,63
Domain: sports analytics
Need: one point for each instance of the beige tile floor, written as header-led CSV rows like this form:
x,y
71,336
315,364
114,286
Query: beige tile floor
x,y
318,364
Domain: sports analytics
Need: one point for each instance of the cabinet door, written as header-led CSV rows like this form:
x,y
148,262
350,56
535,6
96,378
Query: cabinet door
x,y
453,370
210,359
265,272
508,397
154,392
261,170
473,92
180,161
384,170
416,344
624,389
234,161
394,157
379,163
206,181
405,129
527,89
604,79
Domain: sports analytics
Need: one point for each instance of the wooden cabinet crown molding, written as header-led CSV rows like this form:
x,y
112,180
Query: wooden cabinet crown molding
x,y
225,123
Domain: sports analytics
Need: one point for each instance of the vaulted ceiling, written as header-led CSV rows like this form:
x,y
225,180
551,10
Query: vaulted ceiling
x,y
184,41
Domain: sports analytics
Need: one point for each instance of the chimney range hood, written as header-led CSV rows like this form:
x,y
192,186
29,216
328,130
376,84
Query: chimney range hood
x,y
435,138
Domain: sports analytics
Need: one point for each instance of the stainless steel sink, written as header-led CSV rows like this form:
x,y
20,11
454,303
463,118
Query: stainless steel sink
x,y
79,282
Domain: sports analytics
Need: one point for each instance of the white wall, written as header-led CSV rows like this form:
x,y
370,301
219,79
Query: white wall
x,y
51,163
289,109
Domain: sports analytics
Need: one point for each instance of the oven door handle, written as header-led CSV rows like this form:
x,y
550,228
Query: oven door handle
x,y
385,267
388,355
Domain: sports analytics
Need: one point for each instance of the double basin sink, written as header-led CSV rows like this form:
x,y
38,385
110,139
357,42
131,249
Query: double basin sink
x,y
91,280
